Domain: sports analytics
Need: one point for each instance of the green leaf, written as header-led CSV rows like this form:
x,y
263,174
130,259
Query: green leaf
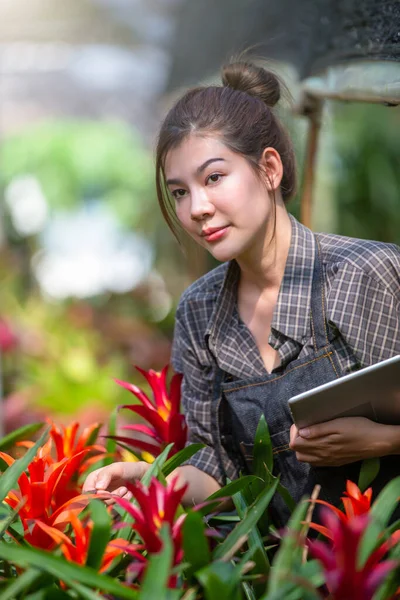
x,y
157,465
111,445
233,487
180,457
195,543
369,470
220,581
155,583
23,433
287,498
255,511
255,542
262,453
95,433
300,584
66,571
100,535
6,522
391,582
84,592
289,554
20,584
380,512
9,478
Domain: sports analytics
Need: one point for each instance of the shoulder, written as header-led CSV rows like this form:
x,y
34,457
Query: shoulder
x,y
203,292
376,261
193,315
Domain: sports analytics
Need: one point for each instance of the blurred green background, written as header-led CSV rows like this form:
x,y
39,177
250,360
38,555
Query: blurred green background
x,y
91,276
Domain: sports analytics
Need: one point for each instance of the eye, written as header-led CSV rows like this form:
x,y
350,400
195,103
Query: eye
x,y
179,193
214,178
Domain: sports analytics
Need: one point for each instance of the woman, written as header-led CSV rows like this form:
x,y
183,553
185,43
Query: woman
x,y
287,309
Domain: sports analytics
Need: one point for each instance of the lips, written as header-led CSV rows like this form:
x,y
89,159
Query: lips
x,y
210,230
213,234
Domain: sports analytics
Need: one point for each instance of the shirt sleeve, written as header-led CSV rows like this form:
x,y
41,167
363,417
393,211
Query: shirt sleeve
x,y
367,312
197,396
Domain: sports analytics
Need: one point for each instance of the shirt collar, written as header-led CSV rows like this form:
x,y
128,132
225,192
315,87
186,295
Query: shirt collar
x,y
292,311
291,318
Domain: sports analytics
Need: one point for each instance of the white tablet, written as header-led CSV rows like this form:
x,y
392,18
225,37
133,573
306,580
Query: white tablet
x,y
372,392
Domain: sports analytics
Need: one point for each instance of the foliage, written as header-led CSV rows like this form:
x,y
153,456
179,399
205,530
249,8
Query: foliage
x,y
59,543
77,159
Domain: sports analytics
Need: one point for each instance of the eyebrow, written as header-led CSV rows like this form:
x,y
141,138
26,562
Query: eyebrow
x,y
199,170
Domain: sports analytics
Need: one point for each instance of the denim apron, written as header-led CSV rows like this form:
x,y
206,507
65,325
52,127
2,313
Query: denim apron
x,y
239,404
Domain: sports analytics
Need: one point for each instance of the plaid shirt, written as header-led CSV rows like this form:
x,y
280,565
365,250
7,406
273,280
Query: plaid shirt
x,y
362,292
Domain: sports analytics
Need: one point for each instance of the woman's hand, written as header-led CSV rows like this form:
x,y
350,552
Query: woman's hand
x,y
342,441
113,478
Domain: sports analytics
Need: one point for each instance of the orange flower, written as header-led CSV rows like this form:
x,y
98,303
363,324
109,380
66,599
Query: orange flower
x,y
68,444
77,551
47,493
355,503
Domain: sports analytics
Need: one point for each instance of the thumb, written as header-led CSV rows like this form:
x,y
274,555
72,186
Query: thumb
x,y
97,480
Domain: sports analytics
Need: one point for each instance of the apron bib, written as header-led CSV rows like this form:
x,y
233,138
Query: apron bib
x,y
242,402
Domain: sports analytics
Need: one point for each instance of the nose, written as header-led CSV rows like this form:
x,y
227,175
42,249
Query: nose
x,y
201,206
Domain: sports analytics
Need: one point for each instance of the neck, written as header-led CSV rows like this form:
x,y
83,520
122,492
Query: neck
x,y
263,267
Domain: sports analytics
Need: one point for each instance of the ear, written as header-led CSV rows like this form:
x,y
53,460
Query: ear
x,y
271,163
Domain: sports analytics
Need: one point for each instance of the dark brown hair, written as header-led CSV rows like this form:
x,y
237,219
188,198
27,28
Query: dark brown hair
x,y
239,114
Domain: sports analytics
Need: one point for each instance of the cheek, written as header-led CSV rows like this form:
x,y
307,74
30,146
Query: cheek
x,y
182,211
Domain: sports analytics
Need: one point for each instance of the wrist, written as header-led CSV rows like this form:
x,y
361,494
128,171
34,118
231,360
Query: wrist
x,y
134,471
395,439
389,442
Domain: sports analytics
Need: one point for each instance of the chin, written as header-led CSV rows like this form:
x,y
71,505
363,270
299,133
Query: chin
x,y
223,254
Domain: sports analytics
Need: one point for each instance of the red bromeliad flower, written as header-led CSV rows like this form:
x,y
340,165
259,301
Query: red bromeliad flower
x,y
167,424
344,578
68,444
47,493
156,505
355,504
77,551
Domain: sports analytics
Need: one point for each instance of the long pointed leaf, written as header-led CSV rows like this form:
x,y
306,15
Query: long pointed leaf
x,y
289,553
195,543
369,470
61,569
220,581
20,584
262,453
256,510
155,583
255,542
177,459
100,534
9,478
23,433
381,512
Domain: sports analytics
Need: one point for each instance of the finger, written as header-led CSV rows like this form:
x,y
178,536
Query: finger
x,y
128,496
308,458
90,482
103,479
320,430
294,432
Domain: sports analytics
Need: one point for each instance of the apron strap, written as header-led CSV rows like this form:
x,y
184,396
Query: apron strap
x,y
319,326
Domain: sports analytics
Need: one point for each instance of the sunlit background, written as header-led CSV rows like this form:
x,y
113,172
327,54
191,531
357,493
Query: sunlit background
x,y
90,273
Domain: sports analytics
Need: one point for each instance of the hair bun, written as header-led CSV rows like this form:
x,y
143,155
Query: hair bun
x,y
253,80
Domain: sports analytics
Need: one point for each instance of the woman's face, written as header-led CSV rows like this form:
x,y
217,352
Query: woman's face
x,y
220,201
